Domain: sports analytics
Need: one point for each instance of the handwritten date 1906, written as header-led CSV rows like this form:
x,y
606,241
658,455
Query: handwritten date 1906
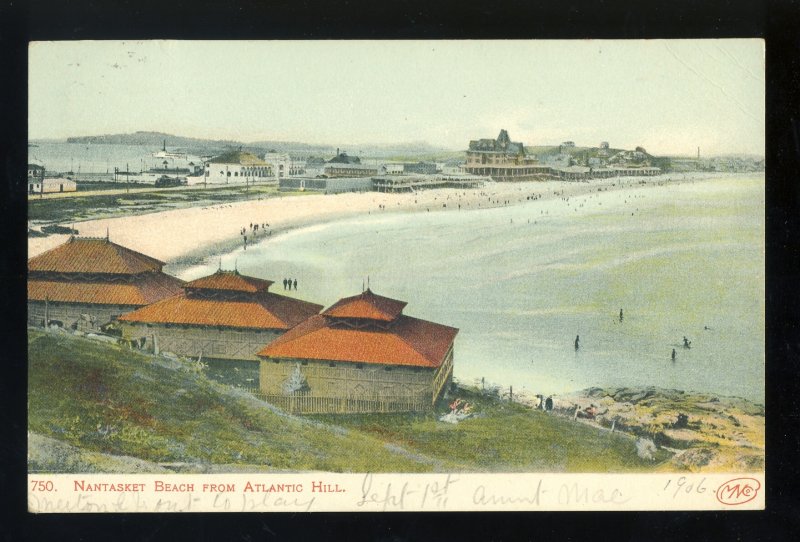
x,y
682,485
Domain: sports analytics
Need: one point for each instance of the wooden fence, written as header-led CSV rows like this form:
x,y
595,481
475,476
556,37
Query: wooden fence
x,y
306,403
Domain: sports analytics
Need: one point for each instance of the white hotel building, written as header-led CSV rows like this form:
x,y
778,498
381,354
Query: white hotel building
x,y
236,167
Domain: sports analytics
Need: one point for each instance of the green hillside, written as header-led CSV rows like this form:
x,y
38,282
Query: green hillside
x,y
110,400
100,407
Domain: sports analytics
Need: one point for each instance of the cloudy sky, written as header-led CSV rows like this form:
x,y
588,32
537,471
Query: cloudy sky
x,y
667,96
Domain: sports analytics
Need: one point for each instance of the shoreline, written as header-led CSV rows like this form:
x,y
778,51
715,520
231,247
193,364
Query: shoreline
x,y
704,431
184,235
299,212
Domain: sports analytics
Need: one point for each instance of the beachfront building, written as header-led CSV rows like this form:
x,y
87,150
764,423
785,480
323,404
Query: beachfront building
x,y
58,184
279,162
226,316
424,168
360,355
349,170
283,165
325,185
392,168
503,160
343,165
235,167
584,173
35,178
414,183
88,282
38,183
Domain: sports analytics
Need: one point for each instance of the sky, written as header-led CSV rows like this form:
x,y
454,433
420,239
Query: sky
x,y
668,96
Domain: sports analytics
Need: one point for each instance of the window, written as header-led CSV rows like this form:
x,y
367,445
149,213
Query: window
x,y
359,365
331,364
235,173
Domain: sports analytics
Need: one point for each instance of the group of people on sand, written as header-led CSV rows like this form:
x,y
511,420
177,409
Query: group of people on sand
x,y
288,283
254,229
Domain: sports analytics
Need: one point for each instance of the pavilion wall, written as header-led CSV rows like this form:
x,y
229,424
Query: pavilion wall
x,y
349,387
84,316
193,341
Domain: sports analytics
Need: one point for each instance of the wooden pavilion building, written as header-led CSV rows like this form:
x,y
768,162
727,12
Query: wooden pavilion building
x,y
88,282
227,316
360,355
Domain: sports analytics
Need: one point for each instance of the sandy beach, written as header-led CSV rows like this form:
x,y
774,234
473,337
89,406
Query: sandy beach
x,y
181,233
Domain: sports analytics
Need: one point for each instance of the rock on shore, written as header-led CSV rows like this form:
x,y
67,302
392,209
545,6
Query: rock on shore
x,y
706,432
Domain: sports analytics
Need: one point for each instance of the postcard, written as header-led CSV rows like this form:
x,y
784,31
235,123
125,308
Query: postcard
x,y
396,276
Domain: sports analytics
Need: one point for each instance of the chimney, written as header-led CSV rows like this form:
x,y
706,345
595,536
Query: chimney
x,y
337,151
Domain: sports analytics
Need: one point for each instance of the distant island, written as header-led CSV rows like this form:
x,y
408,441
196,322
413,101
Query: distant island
x,y
199,145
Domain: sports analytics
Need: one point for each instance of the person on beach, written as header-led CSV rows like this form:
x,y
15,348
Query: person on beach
x,y
295,284
674,354
548,404
620,316
284,284
686,342
577,342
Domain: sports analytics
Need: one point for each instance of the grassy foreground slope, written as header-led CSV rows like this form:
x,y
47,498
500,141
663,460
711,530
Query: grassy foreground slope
x,y
507,437
103,398
99,407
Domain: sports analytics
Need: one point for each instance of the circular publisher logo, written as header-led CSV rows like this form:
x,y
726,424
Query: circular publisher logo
x,y
738,491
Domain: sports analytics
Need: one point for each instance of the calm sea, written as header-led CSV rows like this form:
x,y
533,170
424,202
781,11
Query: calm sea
x,y
96,159
522,282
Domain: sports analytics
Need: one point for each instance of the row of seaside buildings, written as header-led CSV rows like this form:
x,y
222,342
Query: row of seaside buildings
x,y
498,159
362,354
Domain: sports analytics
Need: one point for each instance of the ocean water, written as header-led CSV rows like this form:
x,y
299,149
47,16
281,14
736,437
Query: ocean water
x,y
522,282
101,159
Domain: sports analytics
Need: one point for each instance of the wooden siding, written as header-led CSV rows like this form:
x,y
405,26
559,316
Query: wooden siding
x,y
194,341
70,314
346,378
307,403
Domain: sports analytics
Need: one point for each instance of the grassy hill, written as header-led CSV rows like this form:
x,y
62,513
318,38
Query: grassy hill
x,y
96,407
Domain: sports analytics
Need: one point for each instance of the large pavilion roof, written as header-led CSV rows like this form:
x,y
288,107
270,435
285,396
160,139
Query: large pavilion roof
x,y
92,255
143,290
243,158
263,311
408,342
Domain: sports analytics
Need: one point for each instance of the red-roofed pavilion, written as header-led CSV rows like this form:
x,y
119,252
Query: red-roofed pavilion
x,y
88,282
360,355
226,315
